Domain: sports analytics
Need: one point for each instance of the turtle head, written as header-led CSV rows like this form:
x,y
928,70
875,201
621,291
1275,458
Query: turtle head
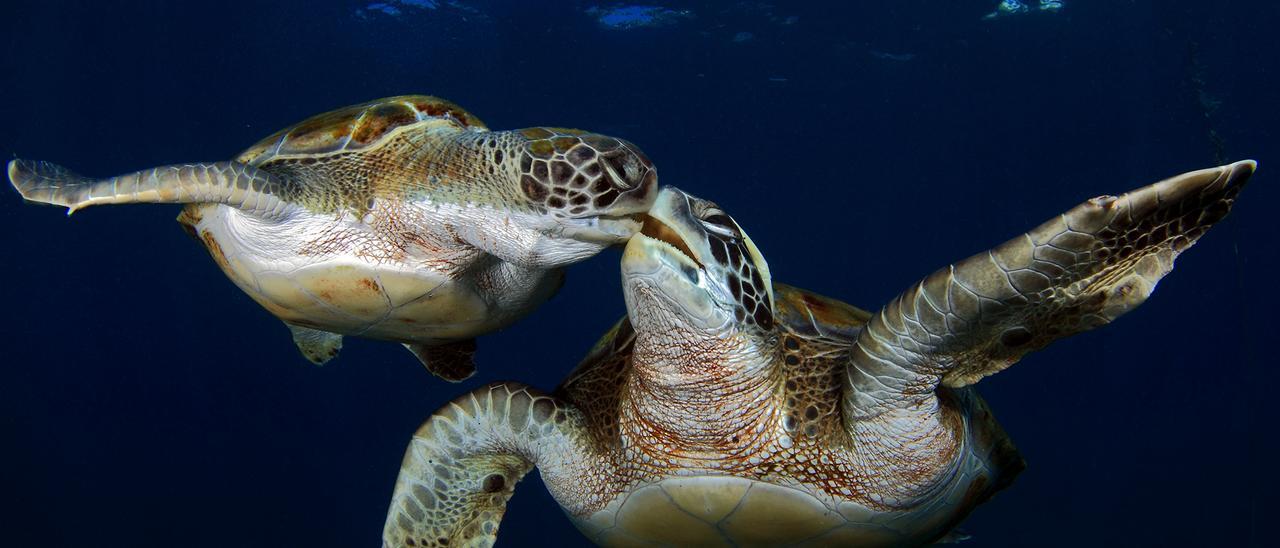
x,y
692,267
594,187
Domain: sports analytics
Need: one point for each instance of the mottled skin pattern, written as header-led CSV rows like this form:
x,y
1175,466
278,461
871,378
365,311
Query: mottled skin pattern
x,y
700,420
402,219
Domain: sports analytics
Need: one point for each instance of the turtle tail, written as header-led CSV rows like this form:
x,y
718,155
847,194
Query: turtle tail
x,y
237,185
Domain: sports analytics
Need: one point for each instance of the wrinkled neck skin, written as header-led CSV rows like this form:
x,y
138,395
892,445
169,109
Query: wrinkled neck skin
x,y
910,453
696,393
909,440
531,240
447,165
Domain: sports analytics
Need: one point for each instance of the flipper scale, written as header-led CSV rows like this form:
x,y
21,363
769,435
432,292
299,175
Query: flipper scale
x,y
463,463
234,184
1078,271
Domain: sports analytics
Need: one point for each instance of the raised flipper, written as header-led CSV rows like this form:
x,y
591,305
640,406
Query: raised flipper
x,y
237,185
316,345
462,465
1078,271
453,362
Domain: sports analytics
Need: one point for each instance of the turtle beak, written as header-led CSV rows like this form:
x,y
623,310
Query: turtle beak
x,y
618,224
663,239
607,231
654,228
671,221
675,282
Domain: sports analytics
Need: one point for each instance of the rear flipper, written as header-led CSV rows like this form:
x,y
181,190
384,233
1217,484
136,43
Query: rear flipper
x,y
1076,272
453,362
237,185
316,346
462,465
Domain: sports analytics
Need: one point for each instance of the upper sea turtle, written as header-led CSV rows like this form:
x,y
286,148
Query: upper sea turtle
x,y
402,219
728,410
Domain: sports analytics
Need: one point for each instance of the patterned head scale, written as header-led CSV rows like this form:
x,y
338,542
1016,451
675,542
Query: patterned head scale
x,y
577,174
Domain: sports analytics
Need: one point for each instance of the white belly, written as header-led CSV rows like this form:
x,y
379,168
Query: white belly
x,y
336,275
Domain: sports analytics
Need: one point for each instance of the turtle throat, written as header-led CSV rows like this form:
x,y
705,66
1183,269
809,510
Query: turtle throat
x,y
701,392
684,333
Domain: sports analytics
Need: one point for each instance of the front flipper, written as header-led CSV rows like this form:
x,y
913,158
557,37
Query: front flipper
x,y
453,362
1079,271
316,345
462,465
238,185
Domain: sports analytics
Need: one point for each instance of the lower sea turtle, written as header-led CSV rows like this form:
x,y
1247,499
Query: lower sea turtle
x,y
402,219
728,410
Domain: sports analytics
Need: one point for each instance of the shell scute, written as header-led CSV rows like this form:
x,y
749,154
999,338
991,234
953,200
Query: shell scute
x,y
380,120
771,515
536,133
812,314
323,133
649,515
357,127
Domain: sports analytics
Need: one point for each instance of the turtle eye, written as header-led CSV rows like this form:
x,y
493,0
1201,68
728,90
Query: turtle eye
x,y
716,221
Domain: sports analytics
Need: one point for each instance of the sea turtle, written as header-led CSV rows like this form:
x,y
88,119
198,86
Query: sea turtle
x,y
401,219
728,410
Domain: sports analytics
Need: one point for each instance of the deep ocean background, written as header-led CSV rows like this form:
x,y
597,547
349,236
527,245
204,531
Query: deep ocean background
x,y
145,401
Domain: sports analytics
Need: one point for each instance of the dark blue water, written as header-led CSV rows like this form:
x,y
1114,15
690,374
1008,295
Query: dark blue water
x,y
144,401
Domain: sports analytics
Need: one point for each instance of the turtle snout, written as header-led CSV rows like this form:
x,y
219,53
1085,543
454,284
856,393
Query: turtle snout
x,y
639,198
631,181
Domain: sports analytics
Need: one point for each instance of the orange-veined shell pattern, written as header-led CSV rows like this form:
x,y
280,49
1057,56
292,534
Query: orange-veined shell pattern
x,y
356,127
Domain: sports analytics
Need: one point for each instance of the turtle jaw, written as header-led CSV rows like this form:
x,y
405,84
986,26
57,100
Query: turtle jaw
x,y
664,286
708,260
605,230
655,229
671,220
616,223
668,271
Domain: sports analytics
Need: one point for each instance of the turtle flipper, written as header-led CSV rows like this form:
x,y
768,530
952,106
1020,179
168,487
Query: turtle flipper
x,y
462,465
453,362
237,185
316,346
1078,271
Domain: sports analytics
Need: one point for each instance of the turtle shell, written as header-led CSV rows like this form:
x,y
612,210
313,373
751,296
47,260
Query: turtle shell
x,y
732,511
814,315
357,127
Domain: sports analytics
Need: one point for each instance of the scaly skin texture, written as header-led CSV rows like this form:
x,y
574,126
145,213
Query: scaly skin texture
x,y
463,464
790,435
703,420
977,317
243,187
422,149
402,219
